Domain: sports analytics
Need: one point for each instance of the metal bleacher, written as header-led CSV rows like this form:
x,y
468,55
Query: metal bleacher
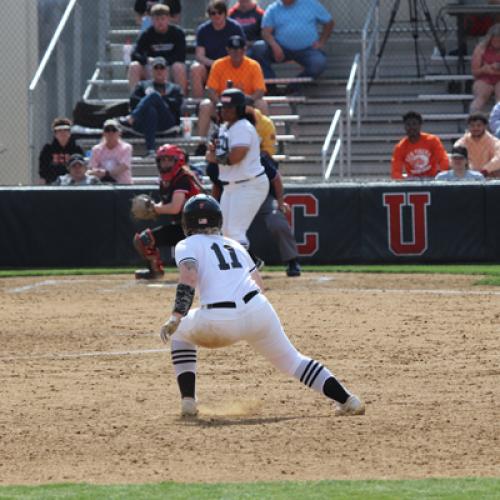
x,y
303,121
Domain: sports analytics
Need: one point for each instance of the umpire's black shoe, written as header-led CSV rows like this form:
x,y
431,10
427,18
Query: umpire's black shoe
x,y
293,269
148,274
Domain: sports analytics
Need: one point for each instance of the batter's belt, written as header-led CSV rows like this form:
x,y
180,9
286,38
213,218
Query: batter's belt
x,y
225,183
231,305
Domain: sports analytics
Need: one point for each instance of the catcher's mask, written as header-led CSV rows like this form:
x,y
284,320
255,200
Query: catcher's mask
x,y
168,169
201,212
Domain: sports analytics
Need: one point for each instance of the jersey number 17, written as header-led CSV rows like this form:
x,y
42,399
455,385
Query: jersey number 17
x,y
223,264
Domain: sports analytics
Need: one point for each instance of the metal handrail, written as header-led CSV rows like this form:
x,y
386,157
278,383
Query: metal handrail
x,y
52,45
353,92
367,44
327,170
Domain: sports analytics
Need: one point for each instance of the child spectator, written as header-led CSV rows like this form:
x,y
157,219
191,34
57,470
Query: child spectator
x,y
76,174
55,155
111,159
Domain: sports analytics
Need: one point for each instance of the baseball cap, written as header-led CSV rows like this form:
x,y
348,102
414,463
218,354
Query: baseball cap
x,y
235,42
111,123
459,152
159,61
76,158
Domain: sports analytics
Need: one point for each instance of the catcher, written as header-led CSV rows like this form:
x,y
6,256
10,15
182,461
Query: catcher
x,y
177,185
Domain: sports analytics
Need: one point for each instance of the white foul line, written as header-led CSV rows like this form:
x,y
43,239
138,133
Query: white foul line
x,y
419,291
56,356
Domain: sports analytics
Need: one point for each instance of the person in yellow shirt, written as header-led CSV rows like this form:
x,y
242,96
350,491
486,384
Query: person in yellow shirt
x,y
244,73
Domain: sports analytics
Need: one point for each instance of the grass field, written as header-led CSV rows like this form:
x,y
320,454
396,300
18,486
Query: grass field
x,y
489,273
485,489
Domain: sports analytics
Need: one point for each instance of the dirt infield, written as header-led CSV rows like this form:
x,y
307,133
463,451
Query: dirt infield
x,y
88,392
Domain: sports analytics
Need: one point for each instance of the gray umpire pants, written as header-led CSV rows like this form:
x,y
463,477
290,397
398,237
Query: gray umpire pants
x,y
277,225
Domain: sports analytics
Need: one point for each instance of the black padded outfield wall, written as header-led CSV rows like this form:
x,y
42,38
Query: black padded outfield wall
x,y
352,223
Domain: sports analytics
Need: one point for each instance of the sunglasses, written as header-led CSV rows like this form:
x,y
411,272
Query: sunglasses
x,y
110,129
159,67
212,13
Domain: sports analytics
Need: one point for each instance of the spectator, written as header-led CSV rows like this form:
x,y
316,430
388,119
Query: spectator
x,y
55,155
76,173
143,10
177,185
211,42
289,32
459,170
111,159
485,65
243,72
494,120
419,154
249,16
156,106
483,148
160,40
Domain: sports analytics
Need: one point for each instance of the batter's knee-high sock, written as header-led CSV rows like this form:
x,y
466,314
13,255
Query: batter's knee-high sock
x,y
184,361
316,376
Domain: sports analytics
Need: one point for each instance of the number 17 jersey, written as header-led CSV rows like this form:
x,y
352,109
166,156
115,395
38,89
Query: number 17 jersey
x,y
224,267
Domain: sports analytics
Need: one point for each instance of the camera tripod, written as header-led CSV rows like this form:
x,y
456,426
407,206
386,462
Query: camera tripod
x,y
413,6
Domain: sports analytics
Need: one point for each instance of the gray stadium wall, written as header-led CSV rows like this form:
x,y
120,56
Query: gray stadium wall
x,y
351,223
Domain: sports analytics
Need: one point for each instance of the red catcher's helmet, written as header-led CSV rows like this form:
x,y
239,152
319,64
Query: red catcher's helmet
x,y
172,151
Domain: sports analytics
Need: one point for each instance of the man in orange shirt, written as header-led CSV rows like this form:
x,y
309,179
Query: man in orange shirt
x,y
419,155
244,73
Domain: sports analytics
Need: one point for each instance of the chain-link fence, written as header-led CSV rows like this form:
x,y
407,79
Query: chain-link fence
x,y
75,36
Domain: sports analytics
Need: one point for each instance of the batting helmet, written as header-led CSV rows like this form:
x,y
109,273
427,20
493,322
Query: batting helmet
x,y
234,98
167,173
201,212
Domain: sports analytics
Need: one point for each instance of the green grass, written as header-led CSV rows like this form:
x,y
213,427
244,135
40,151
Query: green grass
x,y
484,488
491,272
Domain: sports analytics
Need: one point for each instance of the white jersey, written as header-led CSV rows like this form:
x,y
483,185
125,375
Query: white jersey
x,y
241,133
224,267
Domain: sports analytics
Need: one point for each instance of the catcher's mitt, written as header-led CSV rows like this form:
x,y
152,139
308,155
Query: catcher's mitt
x,y
143,207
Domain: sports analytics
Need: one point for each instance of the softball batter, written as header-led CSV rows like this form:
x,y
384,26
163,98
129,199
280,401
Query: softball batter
x,y
237,151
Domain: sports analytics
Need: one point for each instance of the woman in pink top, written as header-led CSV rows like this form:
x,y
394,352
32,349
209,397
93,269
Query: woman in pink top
x,y
111,159
485,67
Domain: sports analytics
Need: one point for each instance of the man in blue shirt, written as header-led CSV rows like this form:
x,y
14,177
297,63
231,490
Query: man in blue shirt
x,y
211,41
289,32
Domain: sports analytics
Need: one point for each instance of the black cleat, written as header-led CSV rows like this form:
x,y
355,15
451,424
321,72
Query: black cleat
x,y
293,269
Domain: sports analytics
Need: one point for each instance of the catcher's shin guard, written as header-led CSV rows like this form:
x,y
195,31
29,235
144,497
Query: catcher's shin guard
x,y
145,244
